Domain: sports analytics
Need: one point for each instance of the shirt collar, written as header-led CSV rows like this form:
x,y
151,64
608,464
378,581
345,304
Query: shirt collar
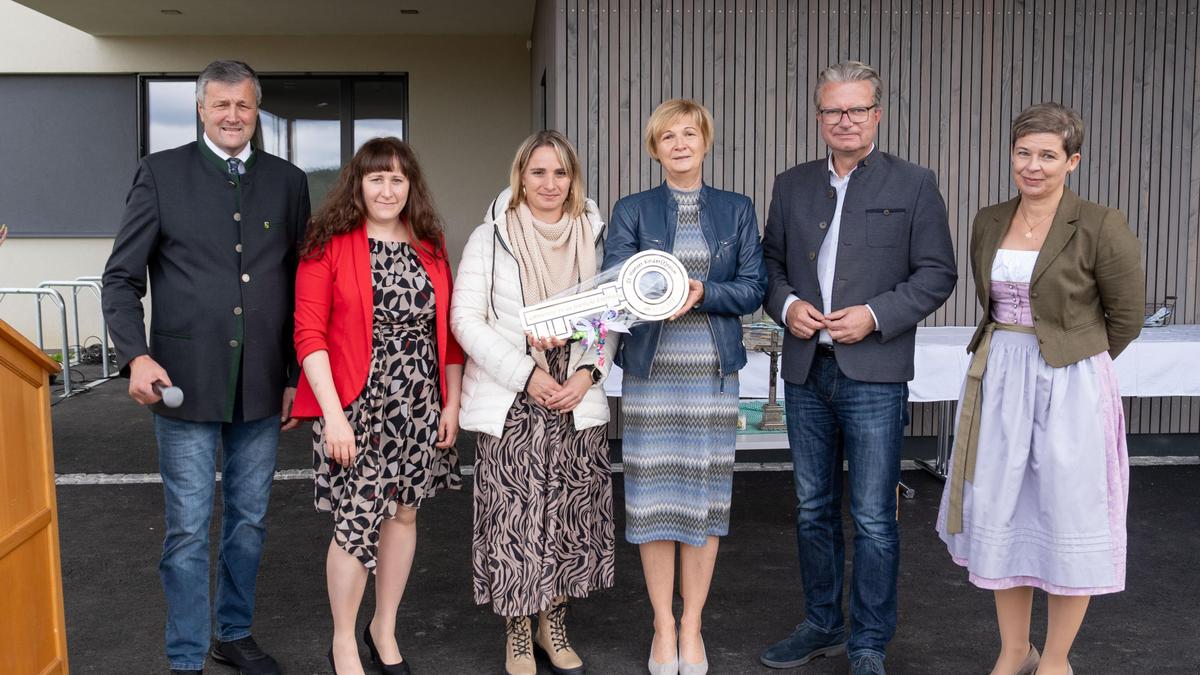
x,y
243,155
833,174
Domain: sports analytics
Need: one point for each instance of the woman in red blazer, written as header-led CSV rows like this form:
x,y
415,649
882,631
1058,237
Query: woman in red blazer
x,y
382,376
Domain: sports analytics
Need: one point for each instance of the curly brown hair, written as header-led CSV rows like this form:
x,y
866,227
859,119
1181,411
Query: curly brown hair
x,y
344,210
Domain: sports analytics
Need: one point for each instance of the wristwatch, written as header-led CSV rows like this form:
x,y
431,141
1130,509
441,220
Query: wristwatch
x,y
595,372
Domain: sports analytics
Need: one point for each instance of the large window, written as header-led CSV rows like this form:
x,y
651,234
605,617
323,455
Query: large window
x,y
316,122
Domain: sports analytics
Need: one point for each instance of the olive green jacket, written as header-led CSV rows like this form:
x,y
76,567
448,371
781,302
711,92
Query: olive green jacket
x,y
1088,290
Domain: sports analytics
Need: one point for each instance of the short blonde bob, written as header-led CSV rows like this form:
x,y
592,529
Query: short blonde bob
x,y
574,204
670,111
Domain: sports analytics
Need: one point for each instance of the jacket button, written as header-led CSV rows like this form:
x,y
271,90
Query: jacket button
x,y
1034,294
237,311
238,248
812,255
237,217
233,343
1041,341
831,193
246,278
823,225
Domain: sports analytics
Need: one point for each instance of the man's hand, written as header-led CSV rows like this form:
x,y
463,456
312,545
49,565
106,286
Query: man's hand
x,y
542,386
803,320
694,296
144,372
851,324
572,392
339,439
286,421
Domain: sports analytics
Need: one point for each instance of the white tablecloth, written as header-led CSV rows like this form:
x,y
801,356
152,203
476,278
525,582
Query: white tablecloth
x,y
1161,362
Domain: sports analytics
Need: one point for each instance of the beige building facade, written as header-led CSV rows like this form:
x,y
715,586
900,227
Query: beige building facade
x,y
468,103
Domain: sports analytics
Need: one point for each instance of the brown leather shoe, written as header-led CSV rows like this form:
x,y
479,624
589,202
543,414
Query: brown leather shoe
x,y
518,647
552,638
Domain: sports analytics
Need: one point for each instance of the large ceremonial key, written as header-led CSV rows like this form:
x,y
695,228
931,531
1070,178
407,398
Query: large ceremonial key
x,y
652,285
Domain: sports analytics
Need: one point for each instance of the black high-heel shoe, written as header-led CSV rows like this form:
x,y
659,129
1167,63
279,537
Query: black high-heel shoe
x,y
385,668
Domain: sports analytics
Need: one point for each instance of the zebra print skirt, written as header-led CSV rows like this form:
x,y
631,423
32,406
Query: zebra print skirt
x,y
543,522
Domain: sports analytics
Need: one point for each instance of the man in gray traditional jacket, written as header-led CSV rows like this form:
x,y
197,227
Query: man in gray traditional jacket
x,y
215,224
858,252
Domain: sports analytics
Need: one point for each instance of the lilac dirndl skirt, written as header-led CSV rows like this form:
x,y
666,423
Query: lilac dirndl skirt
x,y
1047,506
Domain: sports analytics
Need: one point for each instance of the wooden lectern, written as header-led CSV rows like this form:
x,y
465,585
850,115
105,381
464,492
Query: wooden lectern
x,y
33,636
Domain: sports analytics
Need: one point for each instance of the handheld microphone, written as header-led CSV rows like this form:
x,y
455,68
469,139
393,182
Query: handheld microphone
x,y
172,397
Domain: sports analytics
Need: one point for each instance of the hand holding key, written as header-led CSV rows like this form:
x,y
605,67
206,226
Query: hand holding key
x,y
652,286
544,344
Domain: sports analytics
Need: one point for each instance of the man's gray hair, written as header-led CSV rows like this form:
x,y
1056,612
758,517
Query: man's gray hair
x,y
227,72
849,71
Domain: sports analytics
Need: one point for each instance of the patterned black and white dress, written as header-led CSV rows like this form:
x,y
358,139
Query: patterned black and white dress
x,y
395,417
543,507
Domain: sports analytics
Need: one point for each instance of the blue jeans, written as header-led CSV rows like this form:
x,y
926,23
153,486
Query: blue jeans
x,y
865,420
187,453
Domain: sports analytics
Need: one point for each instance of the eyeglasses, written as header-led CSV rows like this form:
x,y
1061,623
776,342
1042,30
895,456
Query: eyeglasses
x,y
833,116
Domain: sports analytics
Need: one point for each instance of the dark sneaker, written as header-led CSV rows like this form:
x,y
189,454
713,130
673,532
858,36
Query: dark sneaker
x,y
867,664
803,645
245,655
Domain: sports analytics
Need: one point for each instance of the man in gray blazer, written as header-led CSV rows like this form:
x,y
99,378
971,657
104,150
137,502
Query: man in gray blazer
x,y
215,224
858,251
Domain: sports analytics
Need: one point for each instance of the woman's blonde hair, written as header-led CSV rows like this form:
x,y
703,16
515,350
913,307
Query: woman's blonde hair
x,y
574,204
669,111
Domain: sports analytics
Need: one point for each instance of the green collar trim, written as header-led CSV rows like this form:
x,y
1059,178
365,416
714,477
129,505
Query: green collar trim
x,y
220,163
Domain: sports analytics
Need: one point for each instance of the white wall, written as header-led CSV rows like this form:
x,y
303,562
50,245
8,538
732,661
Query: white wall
x,y
469,108
28,262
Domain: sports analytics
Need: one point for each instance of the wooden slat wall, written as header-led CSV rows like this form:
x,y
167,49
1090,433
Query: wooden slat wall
x,y
955,74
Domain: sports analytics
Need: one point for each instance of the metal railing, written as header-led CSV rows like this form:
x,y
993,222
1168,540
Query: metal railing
x,y
94,284
57,298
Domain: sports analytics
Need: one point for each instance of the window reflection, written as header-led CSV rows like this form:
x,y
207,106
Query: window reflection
x,y
380,107
305,127
171,114
310,121
365,130
273,130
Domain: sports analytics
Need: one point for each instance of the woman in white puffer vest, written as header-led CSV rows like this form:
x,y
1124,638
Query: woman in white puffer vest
x,y
543,525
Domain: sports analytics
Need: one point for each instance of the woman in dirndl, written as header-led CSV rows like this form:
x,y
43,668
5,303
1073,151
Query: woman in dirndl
x,y
1039,480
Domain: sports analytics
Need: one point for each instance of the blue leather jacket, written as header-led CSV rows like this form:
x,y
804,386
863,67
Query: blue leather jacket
x,y
737,280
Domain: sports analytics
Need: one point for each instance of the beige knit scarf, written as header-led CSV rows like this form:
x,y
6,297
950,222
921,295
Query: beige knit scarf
x,y
552,257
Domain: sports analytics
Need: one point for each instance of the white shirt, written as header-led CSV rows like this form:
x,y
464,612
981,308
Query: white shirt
x,y
827,256
243,155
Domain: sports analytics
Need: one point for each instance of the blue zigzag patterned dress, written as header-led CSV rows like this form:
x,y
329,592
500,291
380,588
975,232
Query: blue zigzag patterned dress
x,y
681,422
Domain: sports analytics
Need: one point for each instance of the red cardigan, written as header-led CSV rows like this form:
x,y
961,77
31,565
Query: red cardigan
x,y
334,309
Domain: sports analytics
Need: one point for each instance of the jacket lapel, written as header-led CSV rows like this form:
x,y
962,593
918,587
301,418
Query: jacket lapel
x,y
361,256
990,237
1061,231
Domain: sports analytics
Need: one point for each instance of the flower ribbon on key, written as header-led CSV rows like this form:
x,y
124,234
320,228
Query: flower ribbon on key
x,y
594,332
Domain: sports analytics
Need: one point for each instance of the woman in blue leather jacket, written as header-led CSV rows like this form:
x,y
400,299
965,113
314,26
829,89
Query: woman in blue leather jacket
x,y
680,388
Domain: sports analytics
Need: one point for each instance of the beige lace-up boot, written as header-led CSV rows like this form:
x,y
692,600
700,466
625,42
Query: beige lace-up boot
x,y
518,647
552,638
